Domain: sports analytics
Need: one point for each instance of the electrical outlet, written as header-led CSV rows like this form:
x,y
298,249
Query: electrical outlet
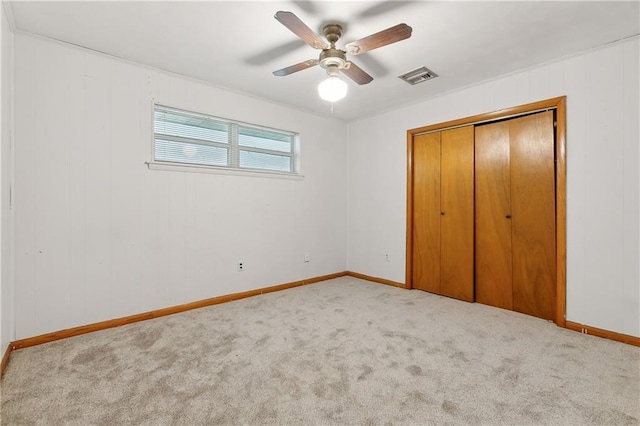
x,y
386,257
307,258
240,266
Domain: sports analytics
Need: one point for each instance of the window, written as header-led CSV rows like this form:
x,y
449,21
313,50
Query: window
x,y
183,137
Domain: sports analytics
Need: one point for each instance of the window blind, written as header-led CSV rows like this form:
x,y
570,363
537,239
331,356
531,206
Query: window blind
x,y
190,138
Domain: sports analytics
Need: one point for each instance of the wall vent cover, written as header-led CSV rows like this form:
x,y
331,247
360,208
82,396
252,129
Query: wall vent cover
x,y
418,75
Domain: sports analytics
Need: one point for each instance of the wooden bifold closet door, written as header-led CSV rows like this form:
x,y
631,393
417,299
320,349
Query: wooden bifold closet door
x,y
443,213
515,215
486,210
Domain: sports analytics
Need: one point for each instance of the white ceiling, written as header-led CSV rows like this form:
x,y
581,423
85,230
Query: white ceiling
x,y
237,44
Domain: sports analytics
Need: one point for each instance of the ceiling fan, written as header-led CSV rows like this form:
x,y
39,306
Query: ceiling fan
x,y
334,60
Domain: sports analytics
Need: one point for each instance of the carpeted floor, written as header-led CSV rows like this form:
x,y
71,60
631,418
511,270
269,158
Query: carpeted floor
x,y
344,351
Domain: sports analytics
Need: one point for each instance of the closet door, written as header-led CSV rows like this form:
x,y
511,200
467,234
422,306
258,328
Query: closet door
x,y
426,212
457,213
515,215
533,223
494,280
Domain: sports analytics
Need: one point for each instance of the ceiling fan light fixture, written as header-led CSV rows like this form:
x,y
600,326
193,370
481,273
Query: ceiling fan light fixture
x,y
332,89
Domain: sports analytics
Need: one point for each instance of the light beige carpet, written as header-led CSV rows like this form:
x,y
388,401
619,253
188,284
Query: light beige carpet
x,y
340,352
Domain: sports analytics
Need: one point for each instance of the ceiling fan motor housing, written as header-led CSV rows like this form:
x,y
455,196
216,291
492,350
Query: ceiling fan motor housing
x,y
333,57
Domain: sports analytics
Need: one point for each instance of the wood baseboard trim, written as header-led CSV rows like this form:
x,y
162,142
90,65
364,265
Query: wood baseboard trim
x,y
103,325
599,332
375,279
574,326
5,359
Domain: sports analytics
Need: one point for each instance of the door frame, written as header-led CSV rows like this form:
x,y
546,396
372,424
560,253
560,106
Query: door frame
x,y
559,105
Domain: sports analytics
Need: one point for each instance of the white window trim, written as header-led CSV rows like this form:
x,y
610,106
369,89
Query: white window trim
x,y
196,168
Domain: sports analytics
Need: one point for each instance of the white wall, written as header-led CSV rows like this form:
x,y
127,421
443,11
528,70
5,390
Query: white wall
x,y
7,318
99,236
603,185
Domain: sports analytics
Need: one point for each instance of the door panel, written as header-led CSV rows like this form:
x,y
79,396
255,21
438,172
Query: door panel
x,y
457,209
493,208
533,217
426,212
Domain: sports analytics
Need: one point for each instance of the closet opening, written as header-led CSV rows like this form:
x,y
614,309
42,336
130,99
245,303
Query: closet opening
x,y
486,209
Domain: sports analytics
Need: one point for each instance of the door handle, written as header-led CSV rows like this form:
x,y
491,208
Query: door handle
x,y
508,216
441,213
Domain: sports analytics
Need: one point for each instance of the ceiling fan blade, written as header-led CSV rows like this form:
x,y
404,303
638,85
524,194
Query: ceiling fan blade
x,y
300,29
307,6
382,7
357,74
270,54
295,68
382,38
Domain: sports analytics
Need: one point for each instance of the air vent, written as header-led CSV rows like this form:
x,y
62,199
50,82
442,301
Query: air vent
x,y
418,76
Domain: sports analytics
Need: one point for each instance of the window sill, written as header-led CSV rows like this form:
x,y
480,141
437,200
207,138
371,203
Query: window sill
x,y
193,168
